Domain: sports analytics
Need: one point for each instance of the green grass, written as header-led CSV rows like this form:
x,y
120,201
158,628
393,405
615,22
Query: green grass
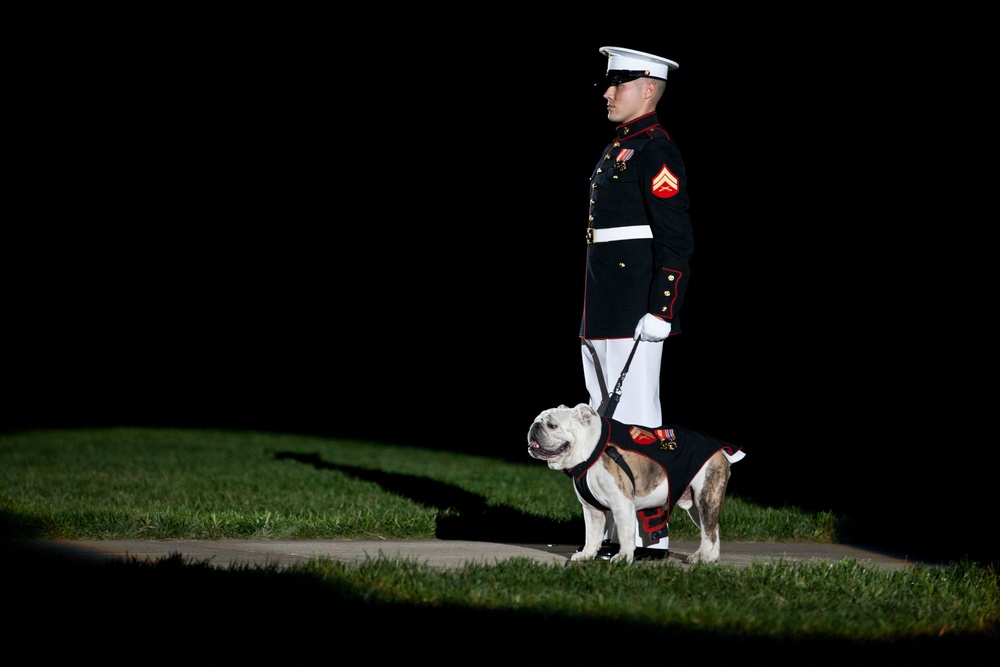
x,y
191,484
134,483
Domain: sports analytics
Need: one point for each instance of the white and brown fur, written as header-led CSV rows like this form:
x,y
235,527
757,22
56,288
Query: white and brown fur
x,y
565,437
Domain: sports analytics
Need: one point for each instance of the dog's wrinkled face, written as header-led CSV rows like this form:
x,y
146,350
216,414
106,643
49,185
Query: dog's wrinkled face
x,y
561,435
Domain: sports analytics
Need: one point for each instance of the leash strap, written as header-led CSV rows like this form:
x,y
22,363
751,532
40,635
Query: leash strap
x,y
609,402
600,377
628,362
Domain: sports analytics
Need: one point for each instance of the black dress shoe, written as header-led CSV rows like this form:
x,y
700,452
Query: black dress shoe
x,y
609,549
606,550
645,553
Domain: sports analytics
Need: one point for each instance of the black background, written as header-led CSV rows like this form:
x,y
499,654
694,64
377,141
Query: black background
x,y
297,225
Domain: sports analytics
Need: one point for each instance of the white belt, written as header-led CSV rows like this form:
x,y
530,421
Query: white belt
x,y
618,234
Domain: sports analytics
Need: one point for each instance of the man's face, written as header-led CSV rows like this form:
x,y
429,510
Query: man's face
x,y
624,100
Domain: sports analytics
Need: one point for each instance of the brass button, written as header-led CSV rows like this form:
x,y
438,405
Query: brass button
x,y
621,265
666,293
663,310
670,278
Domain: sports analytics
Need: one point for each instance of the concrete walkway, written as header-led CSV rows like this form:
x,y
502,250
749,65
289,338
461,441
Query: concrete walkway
x,y
436,553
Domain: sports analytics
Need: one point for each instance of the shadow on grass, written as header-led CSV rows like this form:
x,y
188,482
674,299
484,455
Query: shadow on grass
x,y
464,515
63,607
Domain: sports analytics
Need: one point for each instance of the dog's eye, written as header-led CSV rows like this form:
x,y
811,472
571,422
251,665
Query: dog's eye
x,y
551,426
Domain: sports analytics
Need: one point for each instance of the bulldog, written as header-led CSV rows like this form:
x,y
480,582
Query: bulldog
x,y
629,470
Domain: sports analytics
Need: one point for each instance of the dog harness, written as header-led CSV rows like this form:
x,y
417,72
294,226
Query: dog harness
x,y
679,451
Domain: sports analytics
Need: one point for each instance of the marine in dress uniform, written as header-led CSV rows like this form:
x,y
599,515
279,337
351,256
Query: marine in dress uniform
x,y
639,242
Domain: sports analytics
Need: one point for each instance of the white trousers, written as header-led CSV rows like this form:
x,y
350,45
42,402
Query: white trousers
x,y
639,402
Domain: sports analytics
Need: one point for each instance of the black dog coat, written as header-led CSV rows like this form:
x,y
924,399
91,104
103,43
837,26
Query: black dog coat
x,y
681,452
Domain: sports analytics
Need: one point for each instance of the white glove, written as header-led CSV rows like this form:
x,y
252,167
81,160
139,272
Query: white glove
x,y
651,329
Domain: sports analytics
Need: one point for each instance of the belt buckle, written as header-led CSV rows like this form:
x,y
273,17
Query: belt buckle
x,y
590,236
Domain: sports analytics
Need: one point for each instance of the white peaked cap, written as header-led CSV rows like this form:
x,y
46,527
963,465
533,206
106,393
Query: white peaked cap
x,y
635,61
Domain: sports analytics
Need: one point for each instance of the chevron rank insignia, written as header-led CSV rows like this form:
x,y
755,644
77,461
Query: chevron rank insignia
x,y
641,436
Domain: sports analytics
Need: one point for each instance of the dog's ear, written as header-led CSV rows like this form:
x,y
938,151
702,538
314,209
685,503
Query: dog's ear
x,y
585,413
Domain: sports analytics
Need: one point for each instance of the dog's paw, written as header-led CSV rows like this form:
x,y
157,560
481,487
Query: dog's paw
x,y
586,554
626,556
697,557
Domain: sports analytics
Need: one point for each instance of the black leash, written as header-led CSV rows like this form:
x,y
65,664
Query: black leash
x,y
610,401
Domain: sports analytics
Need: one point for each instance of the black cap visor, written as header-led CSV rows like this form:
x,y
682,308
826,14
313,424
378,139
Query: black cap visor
x,y
615,77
